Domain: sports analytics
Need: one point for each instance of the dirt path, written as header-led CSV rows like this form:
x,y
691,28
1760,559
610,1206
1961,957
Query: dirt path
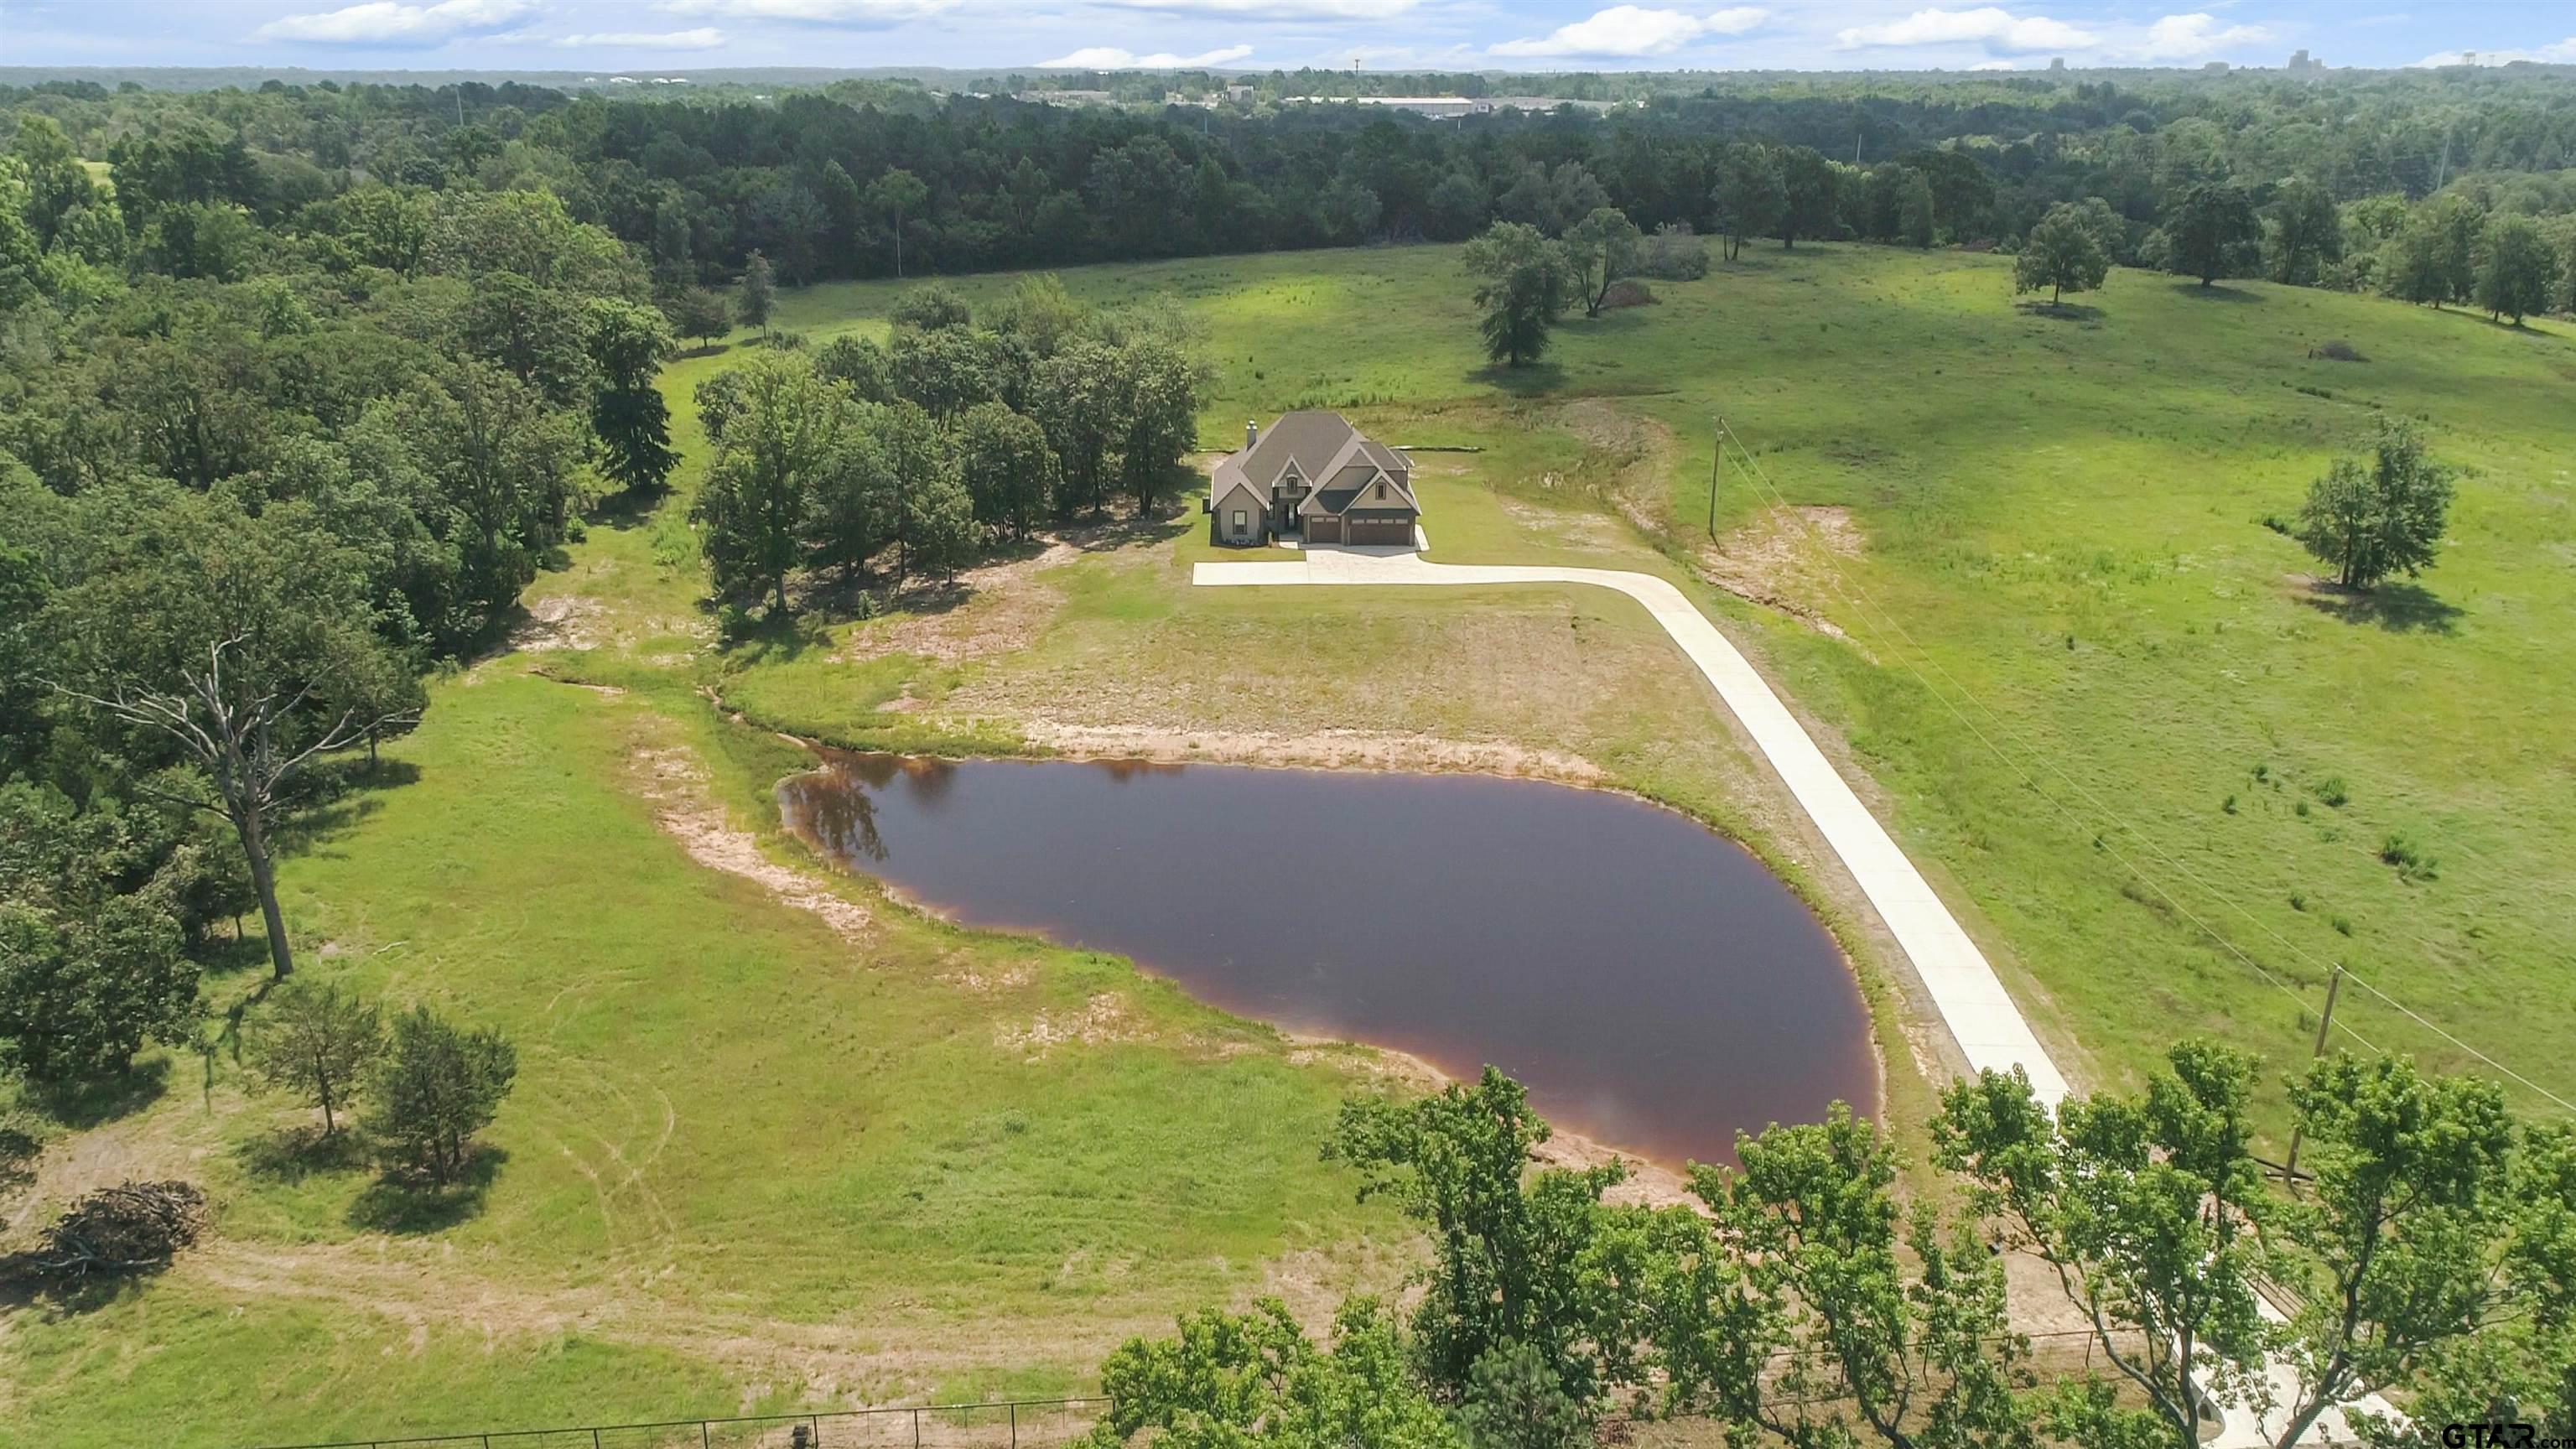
x,y
674,779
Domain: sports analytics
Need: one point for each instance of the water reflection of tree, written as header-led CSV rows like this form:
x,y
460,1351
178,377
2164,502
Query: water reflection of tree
x,y
1123,771
837,810
928,779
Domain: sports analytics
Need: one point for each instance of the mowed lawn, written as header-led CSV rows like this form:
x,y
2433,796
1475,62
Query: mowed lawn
x,y
2107,706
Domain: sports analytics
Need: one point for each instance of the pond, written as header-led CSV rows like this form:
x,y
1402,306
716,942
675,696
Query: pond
x,y
1649,981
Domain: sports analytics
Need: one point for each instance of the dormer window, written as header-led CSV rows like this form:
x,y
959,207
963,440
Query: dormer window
x,y
1381,490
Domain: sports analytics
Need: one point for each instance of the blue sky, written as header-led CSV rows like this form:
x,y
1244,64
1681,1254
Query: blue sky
x,y
673,36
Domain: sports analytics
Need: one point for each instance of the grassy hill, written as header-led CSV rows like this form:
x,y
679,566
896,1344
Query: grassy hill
x,y
2025,574
763,1154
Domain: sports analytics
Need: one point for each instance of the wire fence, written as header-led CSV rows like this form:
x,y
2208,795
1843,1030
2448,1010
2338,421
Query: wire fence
x,y
1007,1424
1010,1424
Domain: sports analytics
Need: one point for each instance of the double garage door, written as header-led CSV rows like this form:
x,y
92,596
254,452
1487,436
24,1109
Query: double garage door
x,y
1378,530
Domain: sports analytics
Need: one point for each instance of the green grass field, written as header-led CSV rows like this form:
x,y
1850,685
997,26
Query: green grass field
x,y
2100,698
752,1162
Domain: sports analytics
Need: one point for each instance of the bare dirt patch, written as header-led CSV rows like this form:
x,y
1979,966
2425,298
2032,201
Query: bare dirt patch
x,y
984,612
1329,749
675,781
1102,1019
565,621
1784,559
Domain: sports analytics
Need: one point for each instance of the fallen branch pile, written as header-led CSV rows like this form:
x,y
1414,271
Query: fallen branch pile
x,y
128,1228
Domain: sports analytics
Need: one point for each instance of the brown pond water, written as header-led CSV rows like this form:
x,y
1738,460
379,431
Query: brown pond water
x,y
1650,982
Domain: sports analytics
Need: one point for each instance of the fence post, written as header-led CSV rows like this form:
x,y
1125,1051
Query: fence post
x,y
817,1421
594,1439
704,1439
1015,1424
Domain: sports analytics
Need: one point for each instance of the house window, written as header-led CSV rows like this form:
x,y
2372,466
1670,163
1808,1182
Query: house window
x,y
1238,520
1381,490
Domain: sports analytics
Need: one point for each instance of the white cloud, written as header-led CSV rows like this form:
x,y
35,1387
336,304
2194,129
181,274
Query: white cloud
x,y
2189,37
2558,54
841,14
705,37
1110,57
1988,25
1628,30
389,22
1273,9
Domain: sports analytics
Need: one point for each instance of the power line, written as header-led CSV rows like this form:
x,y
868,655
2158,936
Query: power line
x,y
1751,466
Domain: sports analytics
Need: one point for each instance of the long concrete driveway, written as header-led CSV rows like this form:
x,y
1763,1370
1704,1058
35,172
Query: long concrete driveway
x,y
1990,1030
1963,987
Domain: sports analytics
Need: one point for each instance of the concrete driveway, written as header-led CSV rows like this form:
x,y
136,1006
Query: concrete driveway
x,y
1981,1016
1990,1030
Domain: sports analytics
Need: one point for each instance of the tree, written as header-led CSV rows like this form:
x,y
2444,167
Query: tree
x,y
930,309
92,960
1807,189
2306,230
1600,249
2212,233
2517,271
1349,211
2368,522
1457,208
2148,1209
1914,210
224,633
946,371
628,343
1519,1258
1007,468
2061,254
702,313
2434,256
897,194
1161,412
758,293
436,1085
1521,290
1806,1265
850,504
2400,1248
787,424
934,520
318,1045
1515,1400
1077,398
1230,1379
860,366
1749,196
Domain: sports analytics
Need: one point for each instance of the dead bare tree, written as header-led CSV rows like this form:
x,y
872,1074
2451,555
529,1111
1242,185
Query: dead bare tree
x,y
242,732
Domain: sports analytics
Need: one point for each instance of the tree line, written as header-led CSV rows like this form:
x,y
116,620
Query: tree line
x,y
862,179
259,471
2429,1251
856,458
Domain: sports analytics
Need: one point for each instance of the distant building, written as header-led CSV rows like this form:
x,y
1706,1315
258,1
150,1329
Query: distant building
x,y
1446,107
2058,62
2300,64
1069,98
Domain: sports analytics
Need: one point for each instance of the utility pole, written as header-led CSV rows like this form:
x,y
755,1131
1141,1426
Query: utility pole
x,y
2334,988
1716,460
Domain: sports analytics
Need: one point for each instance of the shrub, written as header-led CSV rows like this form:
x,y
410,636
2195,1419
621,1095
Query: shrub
x,y
130,1228
2338,350
2331,790
1627,292
1672,254
435,1087
2413,863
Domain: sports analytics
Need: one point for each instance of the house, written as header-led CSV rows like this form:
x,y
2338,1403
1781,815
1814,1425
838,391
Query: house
x,y
1312,477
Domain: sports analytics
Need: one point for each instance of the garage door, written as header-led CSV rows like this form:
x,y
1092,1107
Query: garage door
x,y
1397,531
1323,530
